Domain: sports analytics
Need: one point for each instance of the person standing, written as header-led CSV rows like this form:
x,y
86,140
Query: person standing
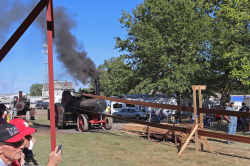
x,y
29,141
12,143
245,125
28,158
3,113
232,121
108,109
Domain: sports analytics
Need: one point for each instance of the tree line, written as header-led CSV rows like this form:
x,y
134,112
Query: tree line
x,y
174,44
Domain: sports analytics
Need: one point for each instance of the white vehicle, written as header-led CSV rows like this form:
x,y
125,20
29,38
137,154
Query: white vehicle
x,y
117,106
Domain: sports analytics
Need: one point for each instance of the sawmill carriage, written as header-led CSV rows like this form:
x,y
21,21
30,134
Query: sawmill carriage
x,y
82,111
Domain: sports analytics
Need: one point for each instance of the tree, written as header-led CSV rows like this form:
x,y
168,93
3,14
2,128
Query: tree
x,y
36,90
166,44
116,77
173,44
229,45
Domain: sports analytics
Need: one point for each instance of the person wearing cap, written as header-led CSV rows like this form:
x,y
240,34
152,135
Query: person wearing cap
x,y
11,144
23,127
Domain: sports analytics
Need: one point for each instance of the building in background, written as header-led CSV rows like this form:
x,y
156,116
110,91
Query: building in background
x,y
59,87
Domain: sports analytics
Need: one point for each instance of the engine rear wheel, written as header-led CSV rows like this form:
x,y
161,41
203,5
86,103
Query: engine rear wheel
x,y
108,123
82,123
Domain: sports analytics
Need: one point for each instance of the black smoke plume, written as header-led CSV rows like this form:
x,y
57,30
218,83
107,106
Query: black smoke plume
x,y
12,11
76,61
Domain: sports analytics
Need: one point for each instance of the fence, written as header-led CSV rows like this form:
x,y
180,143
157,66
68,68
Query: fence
x,y
197,126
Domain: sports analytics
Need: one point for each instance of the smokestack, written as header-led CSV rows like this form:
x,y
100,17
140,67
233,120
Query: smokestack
x,y
20,96
97,86
75,60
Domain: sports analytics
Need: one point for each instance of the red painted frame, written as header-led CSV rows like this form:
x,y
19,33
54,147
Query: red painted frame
x,y
50,33
50,30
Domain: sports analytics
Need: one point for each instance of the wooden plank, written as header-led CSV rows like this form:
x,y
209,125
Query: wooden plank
x,y
188,139
197,87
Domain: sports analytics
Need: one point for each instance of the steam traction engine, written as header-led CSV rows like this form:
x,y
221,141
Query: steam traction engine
x,y
21,104
81,111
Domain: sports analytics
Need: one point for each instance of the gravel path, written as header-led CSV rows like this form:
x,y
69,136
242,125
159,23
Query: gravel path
x,y
72,129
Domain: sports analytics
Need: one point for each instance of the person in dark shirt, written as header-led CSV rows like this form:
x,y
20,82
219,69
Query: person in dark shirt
x,y
244,122
3,113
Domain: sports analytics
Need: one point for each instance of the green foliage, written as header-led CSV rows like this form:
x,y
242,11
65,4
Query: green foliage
x,y
174,44
230,49
165,44
116,77
36,90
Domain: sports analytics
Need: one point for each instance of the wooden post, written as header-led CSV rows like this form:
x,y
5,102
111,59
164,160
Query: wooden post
x,y
201,117
196,122
148,129
188,139
203,140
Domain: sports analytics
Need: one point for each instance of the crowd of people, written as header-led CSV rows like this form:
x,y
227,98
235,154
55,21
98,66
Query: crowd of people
x,y
16,143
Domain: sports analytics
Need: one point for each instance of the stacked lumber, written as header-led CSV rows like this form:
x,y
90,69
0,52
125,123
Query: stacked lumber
x,y
162,134
133,127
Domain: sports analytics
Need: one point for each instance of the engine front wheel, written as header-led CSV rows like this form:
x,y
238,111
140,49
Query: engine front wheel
x,y
108,123
82,123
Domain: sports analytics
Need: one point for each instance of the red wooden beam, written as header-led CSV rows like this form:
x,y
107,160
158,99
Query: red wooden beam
x,y
22,28
201,132
50,29
173,107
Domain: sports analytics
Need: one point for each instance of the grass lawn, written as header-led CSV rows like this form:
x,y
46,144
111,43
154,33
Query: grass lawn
x,y
114,148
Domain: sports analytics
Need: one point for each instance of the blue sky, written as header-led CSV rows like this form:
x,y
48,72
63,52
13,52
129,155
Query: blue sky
x,y
97,26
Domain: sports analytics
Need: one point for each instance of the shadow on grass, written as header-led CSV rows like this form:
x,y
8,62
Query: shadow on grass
x,y
223,154
38,125
105,132
217,140
230,155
